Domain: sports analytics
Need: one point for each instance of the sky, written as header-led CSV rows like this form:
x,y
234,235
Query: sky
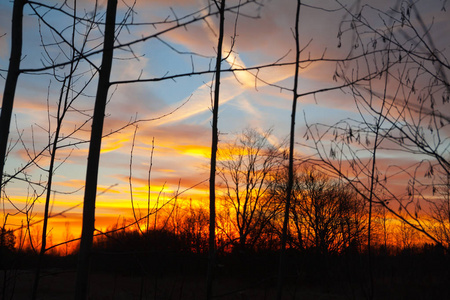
x,y
175,115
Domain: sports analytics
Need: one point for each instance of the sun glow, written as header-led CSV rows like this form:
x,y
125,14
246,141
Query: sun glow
x,y
194,150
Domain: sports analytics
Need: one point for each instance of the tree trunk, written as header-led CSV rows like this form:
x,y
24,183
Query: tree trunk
x,y
51,170
214,145
11,81
8,95
281,270
82,280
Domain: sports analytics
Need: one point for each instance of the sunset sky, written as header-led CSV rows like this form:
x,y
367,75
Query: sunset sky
x,y
182,138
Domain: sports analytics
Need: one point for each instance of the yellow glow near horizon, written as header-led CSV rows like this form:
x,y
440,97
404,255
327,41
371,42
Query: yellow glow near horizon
x,y
195,150
68,226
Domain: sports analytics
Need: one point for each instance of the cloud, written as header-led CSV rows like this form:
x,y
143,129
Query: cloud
x,y
28,105
194,150
165,135
167,184
73,183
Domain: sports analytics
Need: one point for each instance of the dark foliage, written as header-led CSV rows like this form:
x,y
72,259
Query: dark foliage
x,y
7,239
161,264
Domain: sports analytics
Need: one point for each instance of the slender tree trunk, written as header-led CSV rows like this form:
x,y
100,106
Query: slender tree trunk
x,y
61,112
48,195
11,80
8,97
214,145
282,267
373,180
82,280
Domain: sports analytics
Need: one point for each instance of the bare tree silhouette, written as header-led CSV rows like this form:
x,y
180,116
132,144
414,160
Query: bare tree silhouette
x,y
11,81
245,169
214,145
291,155
81,290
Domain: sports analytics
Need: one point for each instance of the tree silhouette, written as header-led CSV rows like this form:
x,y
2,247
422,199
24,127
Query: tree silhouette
x,y
245,168
326,215
291,154
330,213
214,146
11,81
398,112
65,104
81,290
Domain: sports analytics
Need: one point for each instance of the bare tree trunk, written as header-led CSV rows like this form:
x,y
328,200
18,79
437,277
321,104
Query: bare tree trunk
x,y
281,270
61,112
11,80
212,176
373,176
82,280
63,106
8,96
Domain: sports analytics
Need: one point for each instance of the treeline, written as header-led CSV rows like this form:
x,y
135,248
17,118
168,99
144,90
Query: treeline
x,y
326,215
187,233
